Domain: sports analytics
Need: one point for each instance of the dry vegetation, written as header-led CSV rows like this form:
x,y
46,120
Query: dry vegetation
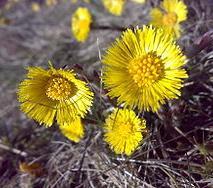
x,y
178,148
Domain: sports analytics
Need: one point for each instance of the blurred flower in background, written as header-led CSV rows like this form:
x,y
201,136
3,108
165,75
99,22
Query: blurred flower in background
x,y
35,7
51,2
139,1
123,131
169,16
9,3
80,24
114,6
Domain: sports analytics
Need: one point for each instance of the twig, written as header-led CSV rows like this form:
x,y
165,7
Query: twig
x,y
13,150
83,157
104,27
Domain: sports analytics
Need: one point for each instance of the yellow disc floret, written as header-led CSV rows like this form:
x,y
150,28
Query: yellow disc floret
x,y
146,70
59,89
170,19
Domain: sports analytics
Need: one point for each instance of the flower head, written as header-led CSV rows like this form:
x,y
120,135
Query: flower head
x,y
35,7
172,13
143,68
80,24
54,94
51,2
123,131
73,131
114,6
139,1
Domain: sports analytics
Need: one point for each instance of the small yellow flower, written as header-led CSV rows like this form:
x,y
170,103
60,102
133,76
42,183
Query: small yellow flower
x,y
172,13
143,68
75,1
80,24
46,95
73,131
35,7
123,131
51,2
114,6
139,1
9,4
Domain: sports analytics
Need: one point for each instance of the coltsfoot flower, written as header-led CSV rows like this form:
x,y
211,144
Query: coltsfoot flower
x,y
114,6
80,24
124,131
73,131
169,16
51,2
139,1
46,95
35,7
143,69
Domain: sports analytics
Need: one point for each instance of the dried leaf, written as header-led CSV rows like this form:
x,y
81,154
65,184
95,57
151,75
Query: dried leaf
x,y
35,169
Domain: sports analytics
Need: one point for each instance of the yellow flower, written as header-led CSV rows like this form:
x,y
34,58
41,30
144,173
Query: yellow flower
x,y
172,13
123,131
114,6
75,1
139,1
80,24
73,131
51,2
35,7
51,94
9,4
143,68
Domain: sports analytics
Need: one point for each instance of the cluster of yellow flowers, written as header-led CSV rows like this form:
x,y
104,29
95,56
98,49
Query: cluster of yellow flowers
x,y
116,7
82,18
35,6
142,70
169,16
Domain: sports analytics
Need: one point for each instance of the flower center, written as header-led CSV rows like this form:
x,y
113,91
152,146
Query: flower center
x,y
124,129
59,88
146,70
170,19
83,24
